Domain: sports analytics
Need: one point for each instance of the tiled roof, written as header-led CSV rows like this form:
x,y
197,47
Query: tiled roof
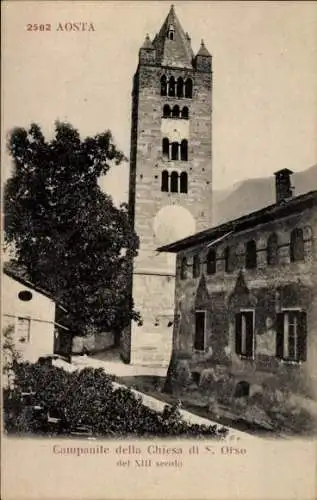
x,y
267,214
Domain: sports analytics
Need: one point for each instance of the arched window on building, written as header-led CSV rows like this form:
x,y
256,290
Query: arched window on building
x,y
185,113
175,111
250,255
229,264
189,88
297,245
196,266
184,150
164,184
242,389
165,148
163,85
180,87
174,182
183,273
211,261
175,150
272,250
166,111
183,182
171,87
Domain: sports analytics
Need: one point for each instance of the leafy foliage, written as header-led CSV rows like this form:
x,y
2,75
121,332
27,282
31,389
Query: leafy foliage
x,y
10,357
72,239
282,413
88,398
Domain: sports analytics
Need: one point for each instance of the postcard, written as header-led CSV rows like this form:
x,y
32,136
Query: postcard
x,y
159,278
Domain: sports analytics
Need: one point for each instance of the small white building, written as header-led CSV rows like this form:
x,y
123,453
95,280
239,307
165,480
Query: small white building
x,y
31,313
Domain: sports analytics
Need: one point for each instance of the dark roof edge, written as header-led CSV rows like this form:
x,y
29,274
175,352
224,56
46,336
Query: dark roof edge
x,y
29,284
254,218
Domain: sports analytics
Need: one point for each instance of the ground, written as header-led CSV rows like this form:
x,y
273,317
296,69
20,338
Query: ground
x,y
148,381
240,416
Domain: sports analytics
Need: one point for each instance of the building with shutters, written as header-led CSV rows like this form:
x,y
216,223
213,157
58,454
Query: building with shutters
x,y
170,193
246,297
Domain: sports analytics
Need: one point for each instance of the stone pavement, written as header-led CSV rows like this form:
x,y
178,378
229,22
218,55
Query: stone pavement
x,y
117,367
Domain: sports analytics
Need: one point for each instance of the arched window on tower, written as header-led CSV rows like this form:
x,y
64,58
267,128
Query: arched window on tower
x,y
183,273
185,113
166,111
175,111
196,266
184,150
211,261
175,150
189,88
171,87
165,148
297,245
171,32
272,250
174,182
250,255
164,185
163,85
183,182
180,87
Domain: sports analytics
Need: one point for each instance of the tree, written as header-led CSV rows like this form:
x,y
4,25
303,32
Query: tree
x,y
71,238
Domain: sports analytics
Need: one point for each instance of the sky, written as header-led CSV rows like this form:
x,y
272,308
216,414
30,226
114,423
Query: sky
x,y
264,77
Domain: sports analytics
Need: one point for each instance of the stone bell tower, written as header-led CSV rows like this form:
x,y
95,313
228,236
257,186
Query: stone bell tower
x,y
170,176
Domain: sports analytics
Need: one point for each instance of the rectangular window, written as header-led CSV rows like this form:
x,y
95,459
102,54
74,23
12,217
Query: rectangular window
x,y
291,335
23,330
245,333
200,330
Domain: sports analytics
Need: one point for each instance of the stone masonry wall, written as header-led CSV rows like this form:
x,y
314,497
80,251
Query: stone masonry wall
x,y
154,273
267,289
149,163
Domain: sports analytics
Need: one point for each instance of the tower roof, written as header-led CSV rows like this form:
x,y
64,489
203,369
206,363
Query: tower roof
x,y
172,44
203,51
147,44
284,171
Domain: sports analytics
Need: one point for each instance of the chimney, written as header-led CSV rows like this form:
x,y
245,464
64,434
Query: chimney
x,y
283,187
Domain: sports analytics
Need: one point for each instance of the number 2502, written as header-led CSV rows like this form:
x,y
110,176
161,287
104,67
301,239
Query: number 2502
x,y
38,27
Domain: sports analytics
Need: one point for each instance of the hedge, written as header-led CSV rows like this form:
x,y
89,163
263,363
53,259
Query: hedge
x,y
48,400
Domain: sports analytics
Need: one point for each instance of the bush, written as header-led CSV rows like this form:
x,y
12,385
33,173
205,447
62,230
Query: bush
x,y
287,416
47,400
278,411
10,356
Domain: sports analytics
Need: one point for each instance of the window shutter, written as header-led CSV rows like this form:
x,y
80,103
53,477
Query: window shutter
x,y
302,337
238,333
279,335
199,343
250,333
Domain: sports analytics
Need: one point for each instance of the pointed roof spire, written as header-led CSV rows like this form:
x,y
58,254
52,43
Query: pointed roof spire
x,y
172,44
203,51
147,44
171,11
147,52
